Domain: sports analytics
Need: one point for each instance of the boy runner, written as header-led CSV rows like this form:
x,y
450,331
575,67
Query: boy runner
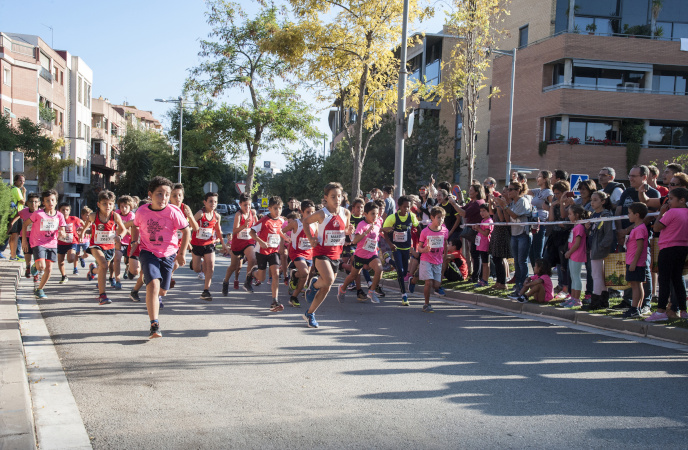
x,y
203,242
177,199
33,202
50,224
242,244
300,252
66,248
400,225
155,231
126,205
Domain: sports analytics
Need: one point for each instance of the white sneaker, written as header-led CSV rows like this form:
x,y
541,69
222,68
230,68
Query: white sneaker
x,y
201,276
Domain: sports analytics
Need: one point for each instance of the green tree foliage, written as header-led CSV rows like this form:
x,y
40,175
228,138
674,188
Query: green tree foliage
x,y
233,60
4,210
143,153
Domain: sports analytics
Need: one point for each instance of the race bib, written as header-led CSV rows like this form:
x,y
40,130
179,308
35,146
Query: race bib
x,y
104,237
399,236
370,245
304,244
436,241
570,237
477,239
273,240
49,224
204,233
69,237
245,234
334,238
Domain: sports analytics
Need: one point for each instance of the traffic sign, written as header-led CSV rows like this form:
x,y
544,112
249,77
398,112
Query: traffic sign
x,y
264,202
576,179
456,190
240,187
210,186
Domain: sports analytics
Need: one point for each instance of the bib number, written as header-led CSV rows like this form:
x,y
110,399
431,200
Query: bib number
x,y
104,237
69,237
204,233
334,238
399,236
244,234
477,239
370,245
49,224
273,240
304,244
436,241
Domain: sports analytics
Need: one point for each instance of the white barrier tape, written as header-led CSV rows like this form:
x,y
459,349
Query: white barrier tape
x,y
561,222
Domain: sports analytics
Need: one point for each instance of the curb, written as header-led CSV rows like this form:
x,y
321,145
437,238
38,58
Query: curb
x,y
17,428
626,326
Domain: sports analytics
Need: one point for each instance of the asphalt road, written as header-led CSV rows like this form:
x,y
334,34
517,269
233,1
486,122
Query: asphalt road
x,y
230,374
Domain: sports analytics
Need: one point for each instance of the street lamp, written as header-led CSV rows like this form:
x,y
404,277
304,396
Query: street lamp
x,y
401,109
181,102
511,53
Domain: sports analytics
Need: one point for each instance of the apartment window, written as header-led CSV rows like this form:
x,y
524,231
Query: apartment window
x,y
62,78
523,36
45,61
433,58
667,82
57,117
79,91
590,130
6,76
87,100
78,128
78,166
667,134
558,74
608,79
57,74
88,134
672,30
595,25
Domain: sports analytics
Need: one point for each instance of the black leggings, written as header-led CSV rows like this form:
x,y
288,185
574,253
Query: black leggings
x,y
499,269
670,262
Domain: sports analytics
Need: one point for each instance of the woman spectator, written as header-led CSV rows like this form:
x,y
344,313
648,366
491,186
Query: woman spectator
x,y
500,244
542,197
557,237
586,188
425,205
471,214
517,211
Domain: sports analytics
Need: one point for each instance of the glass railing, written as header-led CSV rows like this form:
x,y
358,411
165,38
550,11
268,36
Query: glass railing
x,y
623,88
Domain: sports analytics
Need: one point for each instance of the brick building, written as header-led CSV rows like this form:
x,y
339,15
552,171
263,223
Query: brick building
x,y
108,128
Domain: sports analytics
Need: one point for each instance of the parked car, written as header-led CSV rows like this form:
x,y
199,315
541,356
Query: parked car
x,y
222,209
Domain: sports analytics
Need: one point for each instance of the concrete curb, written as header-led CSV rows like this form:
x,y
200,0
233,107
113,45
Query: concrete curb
x,y
627,326
17,429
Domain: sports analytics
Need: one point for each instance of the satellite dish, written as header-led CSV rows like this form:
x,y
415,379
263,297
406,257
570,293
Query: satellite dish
x,y
409,128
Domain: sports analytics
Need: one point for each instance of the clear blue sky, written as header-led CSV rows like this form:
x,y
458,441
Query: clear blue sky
x,y
138,50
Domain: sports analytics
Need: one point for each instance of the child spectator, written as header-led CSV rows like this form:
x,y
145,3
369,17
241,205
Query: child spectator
x,y
577,254
482,243
600,240
457,268
539,286
636,256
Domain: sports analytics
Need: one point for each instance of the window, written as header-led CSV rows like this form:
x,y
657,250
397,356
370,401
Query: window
x,y
62,78
45,61
667,134
78,90
433,58
523,36
78,166
608,79
558,74
555,130
78,128
590,131
667,82
6,76
413,68
88,133
87,98
57,117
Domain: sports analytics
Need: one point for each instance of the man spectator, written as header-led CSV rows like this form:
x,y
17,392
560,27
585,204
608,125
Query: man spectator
x,y
671,170
291,206
390,204
490,185
17,199
560,175
652,181
610,187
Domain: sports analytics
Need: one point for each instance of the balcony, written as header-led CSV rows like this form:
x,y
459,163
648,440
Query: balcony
x,y
45,74
98,134
100,163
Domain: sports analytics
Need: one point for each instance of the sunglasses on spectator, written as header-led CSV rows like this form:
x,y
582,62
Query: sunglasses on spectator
x,y
674,184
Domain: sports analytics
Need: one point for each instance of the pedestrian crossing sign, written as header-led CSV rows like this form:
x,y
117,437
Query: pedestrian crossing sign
x,y
576,179
264,202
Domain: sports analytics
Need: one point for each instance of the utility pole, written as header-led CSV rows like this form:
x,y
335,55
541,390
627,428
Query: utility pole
x,y
401,109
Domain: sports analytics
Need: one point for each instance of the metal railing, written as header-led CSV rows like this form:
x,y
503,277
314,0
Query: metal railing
x,y
615,144
588,87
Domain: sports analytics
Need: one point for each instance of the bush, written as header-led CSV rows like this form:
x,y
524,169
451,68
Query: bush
x,y
542,148
4,210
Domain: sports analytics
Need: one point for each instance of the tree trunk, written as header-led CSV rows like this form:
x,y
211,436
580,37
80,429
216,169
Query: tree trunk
x,y
356,177
251,167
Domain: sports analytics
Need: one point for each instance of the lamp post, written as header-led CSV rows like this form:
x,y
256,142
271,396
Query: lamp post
x,y
181,102
511,53
401,109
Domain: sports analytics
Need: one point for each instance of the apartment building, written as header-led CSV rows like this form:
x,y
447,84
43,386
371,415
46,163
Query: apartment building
x,y
108,127
138,118
34,83
586,82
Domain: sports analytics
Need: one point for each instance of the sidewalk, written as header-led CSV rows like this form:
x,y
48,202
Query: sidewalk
x,y
16,415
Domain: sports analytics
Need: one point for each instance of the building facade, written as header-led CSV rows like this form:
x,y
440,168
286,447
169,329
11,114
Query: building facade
x,y
108,127
138,118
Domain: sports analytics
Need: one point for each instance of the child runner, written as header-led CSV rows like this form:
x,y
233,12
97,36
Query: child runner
x,y
203,242
333,226
50,224
267,233
300,251
400,225
673,248
242,244
636,256
66,248
155,230
177,199
539,286
85,241
105,225
135,271
366,237
432,247
126,205
577,254
482,242
348,252
33,202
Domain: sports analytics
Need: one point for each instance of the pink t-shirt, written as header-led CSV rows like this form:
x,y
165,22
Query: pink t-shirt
x,y
158,229
639,232
25,214
367,247
435,240
580,255
676,232
126,240
44,228
547,283
482,243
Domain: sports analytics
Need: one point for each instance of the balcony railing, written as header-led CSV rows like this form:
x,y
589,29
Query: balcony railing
x,y
46,75
588,87
610,143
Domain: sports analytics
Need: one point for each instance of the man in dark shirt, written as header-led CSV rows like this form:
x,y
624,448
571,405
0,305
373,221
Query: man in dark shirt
x,y
450,207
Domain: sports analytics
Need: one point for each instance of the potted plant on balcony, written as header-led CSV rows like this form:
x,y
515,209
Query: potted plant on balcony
x,y
591,28
573,141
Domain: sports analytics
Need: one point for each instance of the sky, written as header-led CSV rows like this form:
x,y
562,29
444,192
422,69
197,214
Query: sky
x,y
140,50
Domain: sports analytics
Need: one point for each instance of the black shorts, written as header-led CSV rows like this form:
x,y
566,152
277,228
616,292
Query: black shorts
x,y
263,261
484,257
123,248
49,254
16,228
637,275
63,249
200,250
242,253
108,254
334,264
360,262
157,268
309,262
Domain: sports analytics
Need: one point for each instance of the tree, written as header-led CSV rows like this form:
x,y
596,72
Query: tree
x,y
655,8
346,48
476,23
143,153
272,116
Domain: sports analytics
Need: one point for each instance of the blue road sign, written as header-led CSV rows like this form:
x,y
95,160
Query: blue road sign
x,y
576,179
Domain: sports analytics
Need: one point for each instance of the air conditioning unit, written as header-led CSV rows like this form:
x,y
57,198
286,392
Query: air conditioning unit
x,y
631,86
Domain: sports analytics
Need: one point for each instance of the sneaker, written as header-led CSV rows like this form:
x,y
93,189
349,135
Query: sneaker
x,y
561,296
155,331
248,286
440,292
112,282
645,310
625,304
566,301
480,283
104,300
428,308
361,296
341,293
310,318
90,276
312,291
205,295
294,301
34,271
225,288
380,292
684,315
64,279
513,296
40,294
2,256
82,262
75,271
587,299
522,299
14,258
118,285
27,273
404,300
411,286
125,276
352,286
161,305
373,296
134,296
631,312
574,303
657,317
201,276
236,284
293,281
276,306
